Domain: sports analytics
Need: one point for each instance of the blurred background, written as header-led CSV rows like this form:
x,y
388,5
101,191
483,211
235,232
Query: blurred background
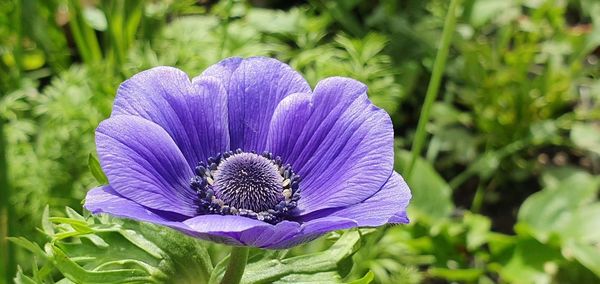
x,y
507,187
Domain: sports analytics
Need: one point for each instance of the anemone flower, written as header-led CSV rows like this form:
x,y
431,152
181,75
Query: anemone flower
x,y
248,155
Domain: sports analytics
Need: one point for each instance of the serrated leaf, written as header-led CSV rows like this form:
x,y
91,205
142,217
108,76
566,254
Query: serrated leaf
x,y
78,274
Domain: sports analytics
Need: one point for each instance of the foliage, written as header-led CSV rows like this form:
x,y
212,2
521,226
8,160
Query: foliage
x,y
507,190
106,250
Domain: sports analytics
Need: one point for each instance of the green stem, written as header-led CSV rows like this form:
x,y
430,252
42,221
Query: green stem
x,y
225,29
434,84
478,199
237,264
7,265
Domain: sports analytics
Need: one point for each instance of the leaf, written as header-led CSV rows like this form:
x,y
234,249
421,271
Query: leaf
x,y
301,267
587,255
479,228
463,275
106,250
188,256
431,195
368,278
21,278
95,18
274,21
28,245
78,274
46,223
94,166
317,278
586,136
552,210
526,265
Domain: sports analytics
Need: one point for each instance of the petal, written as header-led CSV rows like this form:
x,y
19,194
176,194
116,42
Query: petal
x,y
222,70
143,164
313,229
388,205
105,200
244,231
228,229
344,151
255,86
233,230
288,122
194,115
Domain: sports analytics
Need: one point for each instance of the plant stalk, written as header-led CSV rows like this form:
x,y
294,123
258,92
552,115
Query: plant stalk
x,y
237,264
434,85
225,29
7,265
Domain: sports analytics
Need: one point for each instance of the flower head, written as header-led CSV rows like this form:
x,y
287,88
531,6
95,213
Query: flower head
x,y
247,154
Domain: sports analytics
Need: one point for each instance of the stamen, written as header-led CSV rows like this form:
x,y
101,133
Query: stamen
x,y
251,185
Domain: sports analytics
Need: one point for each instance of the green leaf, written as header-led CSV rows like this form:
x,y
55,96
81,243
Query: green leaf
x,y
466,275
555,209
95,18
586,136
46,223
329,277
78,274
431,195
479,228
188,256
96,170
528,261
28,245
21,278
106,250
300,268
587,255
368,278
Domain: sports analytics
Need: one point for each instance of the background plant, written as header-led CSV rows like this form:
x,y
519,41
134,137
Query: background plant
x,y
506,189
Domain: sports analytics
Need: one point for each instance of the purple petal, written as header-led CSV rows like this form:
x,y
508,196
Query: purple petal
x,y
105,200
238,230
344,149
228,228
222,70
233,230
388,205
194,115
255,86
143,164
314,229
287,124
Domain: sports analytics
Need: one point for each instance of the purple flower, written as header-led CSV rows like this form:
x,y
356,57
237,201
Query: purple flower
x,y
246,154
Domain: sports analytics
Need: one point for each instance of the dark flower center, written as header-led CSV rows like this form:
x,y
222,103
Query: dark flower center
x,y
248,181
246,184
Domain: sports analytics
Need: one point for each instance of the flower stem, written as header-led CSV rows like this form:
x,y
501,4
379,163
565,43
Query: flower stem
x,y
237,264
434,84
